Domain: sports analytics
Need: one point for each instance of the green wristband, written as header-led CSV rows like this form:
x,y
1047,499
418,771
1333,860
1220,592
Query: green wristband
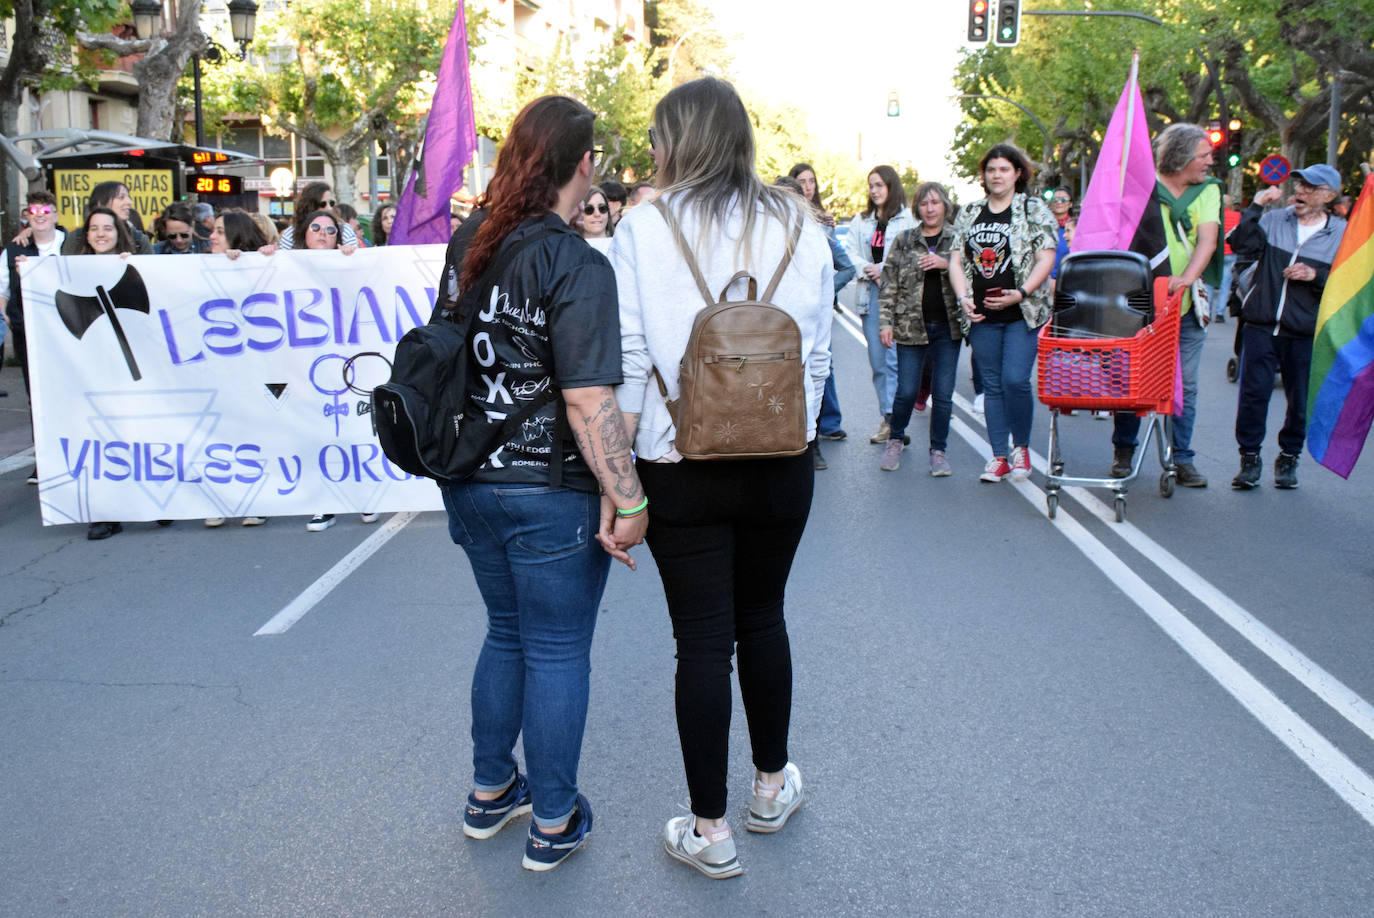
x,y
634,511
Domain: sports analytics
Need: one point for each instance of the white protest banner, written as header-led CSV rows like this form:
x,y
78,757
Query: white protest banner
x,y
190,386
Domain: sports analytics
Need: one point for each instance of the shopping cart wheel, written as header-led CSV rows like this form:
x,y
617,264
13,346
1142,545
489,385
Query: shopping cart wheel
x,y
1166,484
1232,370
1052,504
1120,505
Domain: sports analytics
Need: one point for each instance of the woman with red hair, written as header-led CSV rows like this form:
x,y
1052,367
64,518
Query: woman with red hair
x,y
547,333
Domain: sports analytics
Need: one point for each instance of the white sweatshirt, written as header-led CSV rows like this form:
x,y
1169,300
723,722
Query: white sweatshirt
x,y
659,299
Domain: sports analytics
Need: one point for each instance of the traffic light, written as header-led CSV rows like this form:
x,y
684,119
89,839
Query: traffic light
x,y
1215,135
1008,32
1233,140
978,22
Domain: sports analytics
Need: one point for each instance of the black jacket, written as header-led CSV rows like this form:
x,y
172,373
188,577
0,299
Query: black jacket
x,y
1289,307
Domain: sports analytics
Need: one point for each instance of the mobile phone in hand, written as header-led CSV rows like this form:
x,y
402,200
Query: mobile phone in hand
x,y
992,291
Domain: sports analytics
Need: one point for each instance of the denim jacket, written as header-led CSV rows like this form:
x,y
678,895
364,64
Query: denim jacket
x,y
902,291
861,254
1033,228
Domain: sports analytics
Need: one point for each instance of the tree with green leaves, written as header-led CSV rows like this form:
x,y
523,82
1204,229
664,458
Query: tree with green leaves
x,y
1267,62
338,74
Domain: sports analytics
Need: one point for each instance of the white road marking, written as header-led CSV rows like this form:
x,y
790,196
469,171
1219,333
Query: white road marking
x,y
17,461
1343,776
307,600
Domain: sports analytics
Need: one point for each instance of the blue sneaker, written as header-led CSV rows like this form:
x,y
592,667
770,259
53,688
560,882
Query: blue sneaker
x,y
545,852
484,818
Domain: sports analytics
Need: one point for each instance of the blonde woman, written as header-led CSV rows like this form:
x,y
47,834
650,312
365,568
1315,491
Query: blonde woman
x,y
723,534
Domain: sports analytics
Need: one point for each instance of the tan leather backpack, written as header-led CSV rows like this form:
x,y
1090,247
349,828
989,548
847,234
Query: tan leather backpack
x,y
741,384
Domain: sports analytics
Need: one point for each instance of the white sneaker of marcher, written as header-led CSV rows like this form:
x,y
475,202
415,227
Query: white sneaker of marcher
x,y
712,854
771,806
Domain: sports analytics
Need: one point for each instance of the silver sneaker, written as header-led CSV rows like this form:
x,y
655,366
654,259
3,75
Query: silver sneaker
x,y
939,465
892,456
712,854
770,807
881,435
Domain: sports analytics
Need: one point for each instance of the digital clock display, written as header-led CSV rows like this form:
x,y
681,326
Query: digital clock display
x,y
216,184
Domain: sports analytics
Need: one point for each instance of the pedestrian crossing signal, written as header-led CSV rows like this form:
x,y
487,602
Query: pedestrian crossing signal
x,y
978,22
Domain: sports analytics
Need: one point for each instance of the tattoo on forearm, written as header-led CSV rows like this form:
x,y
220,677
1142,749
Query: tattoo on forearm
x,y
605,445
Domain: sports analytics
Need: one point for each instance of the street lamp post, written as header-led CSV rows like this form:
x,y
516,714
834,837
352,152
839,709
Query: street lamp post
x,y
243,17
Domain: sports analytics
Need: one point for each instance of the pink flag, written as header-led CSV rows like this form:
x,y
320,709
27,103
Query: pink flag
x,y
450,140
1122,180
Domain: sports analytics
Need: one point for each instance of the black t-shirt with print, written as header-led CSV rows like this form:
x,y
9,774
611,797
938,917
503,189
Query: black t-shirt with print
x,y
932,294
553,320
988,248
878,242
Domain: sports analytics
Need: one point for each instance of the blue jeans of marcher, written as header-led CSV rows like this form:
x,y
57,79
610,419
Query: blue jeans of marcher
x,y
1191,338
1005,352
541,573
1223,293
943,354
881,360
830,420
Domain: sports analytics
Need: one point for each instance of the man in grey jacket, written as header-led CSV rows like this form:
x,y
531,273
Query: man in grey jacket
x,y
1293,248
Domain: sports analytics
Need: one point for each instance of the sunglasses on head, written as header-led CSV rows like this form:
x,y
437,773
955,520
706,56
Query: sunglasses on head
x,y
327,229
590,209
37,210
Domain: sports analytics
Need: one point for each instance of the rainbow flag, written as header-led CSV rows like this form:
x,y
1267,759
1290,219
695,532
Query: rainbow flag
x,y
1340,394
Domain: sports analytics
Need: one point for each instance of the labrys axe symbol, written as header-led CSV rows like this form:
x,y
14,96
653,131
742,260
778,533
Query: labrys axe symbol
x,y
80,312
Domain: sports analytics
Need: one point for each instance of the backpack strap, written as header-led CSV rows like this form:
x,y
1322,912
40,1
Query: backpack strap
x,y
786,259
482,287
685,249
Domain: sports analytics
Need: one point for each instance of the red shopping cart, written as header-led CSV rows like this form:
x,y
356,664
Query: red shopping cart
x,y
1089,360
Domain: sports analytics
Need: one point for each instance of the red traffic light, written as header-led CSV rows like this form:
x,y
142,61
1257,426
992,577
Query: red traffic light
x,y
1216,136
980,6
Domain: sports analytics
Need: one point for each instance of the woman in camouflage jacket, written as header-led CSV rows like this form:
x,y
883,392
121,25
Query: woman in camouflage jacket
x,y
920,314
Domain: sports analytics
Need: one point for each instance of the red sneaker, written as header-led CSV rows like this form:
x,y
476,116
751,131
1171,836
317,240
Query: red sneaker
x,y
1020,463
995,470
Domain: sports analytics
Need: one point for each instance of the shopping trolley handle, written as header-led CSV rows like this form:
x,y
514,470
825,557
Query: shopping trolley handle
x,y
1166,304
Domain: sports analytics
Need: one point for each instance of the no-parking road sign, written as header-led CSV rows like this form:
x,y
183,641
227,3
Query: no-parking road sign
x,y
1274,169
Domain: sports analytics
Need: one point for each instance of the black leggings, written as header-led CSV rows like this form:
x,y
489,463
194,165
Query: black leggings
x,y
723,535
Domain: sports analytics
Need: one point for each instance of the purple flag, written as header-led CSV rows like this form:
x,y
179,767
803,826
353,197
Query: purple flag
x,y
1123,179
422,215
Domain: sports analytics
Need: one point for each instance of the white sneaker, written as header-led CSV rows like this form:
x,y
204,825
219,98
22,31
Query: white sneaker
x,y
771,806
978,404
254,520
370,517
320,522
712,854
1020,463
214,522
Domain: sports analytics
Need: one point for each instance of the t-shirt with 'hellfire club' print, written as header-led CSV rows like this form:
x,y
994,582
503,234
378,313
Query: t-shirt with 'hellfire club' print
x,y
552,319
988,248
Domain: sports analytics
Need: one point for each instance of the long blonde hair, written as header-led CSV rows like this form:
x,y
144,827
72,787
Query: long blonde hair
x,y
707,163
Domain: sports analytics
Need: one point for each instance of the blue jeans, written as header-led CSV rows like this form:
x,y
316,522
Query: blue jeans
x,y
943,353
1005,354
881,360
1191,338
541,573
830,420
1223,297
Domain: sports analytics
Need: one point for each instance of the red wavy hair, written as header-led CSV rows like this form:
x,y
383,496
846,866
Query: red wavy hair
x,y
546,142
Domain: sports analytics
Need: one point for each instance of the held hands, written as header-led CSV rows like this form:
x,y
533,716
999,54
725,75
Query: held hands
x,y
873,272
619,534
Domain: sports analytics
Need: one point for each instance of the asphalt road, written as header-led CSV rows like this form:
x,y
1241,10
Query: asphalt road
x,y
996,714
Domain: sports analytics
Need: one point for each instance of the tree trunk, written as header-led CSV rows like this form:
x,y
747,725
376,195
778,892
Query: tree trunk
x,y
30,54
159,72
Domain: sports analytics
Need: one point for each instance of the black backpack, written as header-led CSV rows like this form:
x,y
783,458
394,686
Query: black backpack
x,y
419,412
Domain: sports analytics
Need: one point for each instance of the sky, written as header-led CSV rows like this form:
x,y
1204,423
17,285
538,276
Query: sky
x,y
822,58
